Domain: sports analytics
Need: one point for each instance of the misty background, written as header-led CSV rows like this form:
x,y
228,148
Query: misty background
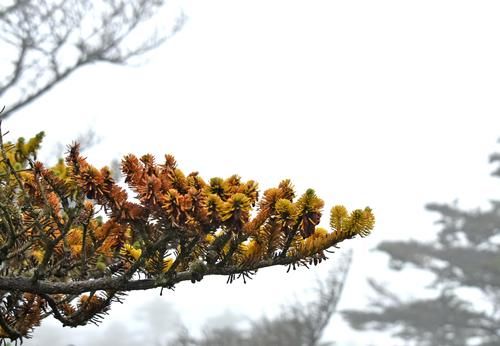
x,y
388,104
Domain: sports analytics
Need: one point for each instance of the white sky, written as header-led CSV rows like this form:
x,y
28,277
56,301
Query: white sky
x,y
390,104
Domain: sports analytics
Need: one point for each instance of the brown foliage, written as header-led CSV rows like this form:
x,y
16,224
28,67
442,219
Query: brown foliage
x,y
72,241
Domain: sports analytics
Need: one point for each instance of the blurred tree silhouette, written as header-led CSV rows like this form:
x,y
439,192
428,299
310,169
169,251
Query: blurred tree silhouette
x,y
465,262
45,41
299,323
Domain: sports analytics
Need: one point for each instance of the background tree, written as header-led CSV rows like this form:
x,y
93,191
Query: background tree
x,y
45,41
301,323
71,241
465,262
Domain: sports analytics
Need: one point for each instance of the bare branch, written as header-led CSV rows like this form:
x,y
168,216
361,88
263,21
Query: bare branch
x,y
46,41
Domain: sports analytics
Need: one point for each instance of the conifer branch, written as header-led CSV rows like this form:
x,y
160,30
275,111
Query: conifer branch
x,y
59,257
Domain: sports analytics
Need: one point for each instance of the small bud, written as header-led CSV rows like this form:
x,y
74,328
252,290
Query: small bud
x,y
198,268
101,266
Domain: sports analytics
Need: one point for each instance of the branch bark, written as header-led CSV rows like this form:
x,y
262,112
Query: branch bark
x,y
118,284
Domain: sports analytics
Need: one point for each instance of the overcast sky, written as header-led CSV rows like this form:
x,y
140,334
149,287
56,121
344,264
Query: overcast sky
x,y
387,104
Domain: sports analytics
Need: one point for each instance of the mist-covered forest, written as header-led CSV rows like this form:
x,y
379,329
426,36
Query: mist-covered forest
x,y
225,173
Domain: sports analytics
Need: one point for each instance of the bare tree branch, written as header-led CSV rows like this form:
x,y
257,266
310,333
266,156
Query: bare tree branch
x,y
45,41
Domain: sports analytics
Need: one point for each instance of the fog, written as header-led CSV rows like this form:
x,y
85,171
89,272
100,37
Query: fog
x,y
385,104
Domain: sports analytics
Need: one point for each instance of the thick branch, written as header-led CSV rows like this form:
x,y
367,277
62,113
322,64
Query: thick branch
x,y
118,284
